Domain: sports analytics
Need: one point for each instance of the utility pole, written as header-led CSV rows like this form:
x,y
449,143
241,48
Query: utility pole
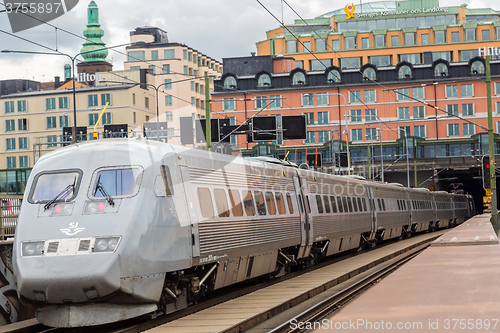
x,y
208,122
491,145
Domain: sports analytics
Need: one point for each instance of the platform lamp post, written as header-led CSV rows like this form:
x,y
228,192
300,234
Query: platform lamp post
x,y
72,72
346,132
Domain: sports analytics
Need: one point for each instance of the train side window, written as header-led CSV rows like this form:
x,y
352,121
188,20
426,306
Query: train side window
x,y
399,205
383,204
340,204
271,206
248,203
280,203
289,201
205,200
333,201
259,201
359,204
354,205
363,201
344,202
319,203
326,202
221,202
236,207
379,204
349,202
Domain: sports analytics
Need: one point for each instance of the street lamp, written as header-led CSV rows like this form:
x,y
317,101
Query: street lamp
x,y
72,70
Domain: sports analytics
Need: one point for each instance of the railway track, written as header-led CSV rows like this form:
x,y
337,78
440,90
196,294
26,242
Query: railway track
x,y
143,323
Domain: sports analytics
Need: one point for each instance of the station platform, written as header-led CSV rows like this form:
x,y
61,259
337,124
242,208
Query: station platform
x,y
452,286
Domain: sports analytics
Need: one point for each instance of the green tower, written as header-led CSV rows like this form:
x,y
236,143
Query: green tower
x,y
93,33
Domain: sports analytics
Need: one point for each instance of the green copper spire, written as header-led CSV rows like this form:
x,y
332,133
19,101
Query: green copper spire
x,y
93,34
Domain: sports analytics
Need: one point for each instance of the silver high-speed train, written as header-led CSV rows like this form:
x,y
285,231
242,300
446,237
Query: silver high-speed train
x,y
117,228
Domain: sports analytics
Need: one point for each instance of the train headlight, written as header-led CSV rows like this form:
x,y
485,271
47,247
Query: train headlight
x,y
31,249
106,244
62,209
95,207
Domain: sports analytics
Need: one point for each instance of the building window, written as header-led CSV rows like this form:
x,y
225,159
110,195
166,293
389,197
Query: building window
x,y
468,109
9,107
136,56
291,46
323,136
322,99
425,39
22,106
347,63
146,102
369,74
275,101
455,37
50,104
264,81
311,137
307,99
402,94
441,70
298,79
169,54
355,96
323,117
22,124
370,114
319,65
154,55
106,118
470,34
23,143
452,91
192,86
92,100
193,101
11,162
404,72
105,98
229,104
417,92
452,110
446,55
379,40
370,96
51,122
404,112
168,100
365,43
260,102
167,84
357,134
10,144
404,131
356,116
335,45
333,76
477,67
418,112
469,129
440,37
51,140
10,125
63,121
371,134
419,131
394,41
350,43
230,82
453,129
63,102
410,38
381,61
24,162
413,58
467,90
93,118
166,69
309,118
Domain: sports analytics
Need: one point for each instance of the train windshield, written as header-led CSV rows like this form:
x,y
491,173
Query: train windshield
x,y
60,185
116,182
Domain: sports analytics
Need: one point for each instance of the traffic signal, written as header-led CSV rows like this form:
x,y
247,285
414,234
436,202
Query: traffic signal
x,y
486,172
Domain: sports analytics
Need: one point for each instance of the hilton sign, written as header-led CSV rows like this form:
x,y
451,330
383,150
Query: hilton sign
x,y
86,77
488,51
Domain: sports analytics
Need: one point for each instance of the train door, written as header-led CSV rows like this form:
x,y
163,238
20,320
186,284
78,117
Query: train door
x,y
189,197
373,213
305,217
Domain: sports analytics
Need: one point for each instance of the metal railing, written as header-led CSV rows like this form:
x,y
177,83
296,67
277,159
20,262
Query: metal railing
x,y
9,213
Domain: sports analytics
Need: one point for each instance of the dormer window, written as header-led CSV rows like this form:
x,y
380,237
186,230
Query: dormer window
x,y
264,81
477,67
333,76
298,79
441,70
230,83
369,74
405,72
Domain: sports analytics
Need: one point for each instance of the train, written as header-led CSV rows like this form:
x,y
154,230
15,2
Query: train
x,y
119,228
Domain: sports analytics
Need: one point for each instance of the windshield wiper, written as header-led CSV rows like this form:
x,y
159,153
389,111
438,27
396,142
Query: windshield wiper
x,y
101,189
67,190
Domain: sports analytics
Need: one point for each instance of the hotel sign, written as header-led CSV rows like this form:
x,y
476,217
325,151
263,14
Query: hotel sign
x,y
488,51
404,12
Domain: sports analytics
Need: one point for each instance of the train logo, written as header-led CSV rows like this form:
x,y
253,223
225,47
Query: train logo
x,y
72,230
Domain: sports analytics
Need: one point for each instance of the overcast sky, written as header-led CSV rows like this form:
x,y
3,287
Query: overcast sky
x,y
217,28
